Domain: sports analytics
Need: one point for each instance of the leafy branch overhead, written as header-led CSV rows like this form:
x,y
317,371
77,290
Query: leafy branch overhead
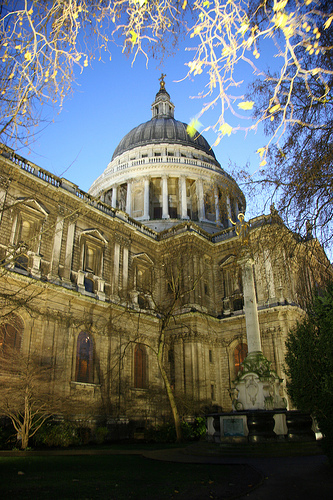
x,y
43,43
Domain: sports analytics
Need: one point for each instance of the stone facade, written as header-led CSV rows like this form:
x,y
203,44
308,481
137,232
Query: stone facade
x,y
89,286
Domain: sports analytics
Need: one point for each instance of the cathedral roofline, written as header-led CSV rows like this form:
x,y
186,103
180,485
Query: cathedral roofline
x,y
28,168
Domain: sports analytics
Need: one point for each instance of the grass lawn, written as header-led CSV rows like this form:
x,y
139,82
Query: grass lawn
x,y
117,477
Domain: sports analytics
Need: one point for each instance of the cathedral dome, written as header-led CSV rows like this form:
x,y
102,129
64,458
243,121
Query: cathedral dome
x,y
165,130
161,174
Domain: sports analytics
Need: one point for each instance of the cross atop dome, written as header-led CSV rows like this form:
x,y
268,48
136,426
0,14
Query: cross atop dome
x,y
162,107
162,82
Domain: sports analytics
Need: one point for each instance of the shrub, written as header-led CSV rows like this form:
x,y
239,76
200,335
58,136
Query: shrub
x,y
309,361
7,436
101,434
61,434
167,433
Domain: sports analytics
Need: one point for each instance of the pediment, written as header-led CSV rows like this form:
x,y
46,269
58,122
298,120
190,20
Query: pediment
x,y
228,260
33,205
143,258
95,234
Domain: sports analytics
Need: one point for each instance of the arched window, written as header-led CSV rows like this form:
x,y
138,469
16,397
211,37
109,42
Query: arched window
x,y
84,358
140,367
11,336
240,354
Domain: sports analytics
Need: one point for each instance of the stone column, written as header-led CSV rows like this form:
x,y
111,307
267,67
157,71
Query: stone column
x,y
146,199
201,201
4,185
54,273
116,268
229,210
69,250
125,269
183,197
14,229
258,387
114,196
217,205
165,201
179,366
129,198
250,306
236,208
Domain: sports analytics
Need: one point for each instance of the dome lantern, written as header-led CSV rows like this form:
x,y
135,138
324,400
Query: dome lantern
x,y
162,107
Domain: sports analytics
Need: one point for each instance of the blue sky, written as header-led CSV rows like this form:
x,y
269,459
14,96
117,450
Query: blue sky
x,y
109,99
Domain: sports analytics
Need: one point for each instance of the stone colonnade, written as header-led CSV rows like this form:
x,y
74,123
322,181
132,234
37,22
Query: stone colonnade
x,y
232,208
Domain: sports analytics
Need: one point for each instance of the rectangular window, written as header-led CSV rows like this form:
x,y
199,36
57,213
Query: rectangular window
x,y
212,392
210,356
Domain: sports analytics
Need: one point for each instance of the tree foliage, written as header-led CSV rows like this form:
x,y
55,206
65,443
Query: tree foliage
x,y
300,165
309,361
44,44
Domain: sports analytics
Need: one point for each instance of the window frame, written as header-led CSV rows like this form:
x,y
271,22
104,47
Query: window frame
x,y
82,357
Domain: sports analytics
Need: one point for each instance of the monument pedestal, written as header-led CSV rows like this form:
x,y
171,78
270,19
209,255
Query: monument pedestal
x,y
257,386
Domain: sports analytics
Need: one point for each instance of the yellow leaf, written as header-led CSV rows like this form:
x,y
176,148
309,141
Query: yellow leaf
x,y
193,127
244,27
246,105
288,31
280,20
280,5
206,4
274,108
261,152
27,56
225,129
328,22
184,4
263,163
133,37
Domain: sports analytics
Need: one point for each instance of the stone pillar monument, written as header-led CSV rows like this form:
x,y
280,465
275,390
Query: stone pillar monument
x,y
257,386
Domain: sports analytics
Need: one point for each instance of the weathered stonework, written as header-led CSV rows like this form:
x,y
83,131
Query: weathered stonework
x,y
74,266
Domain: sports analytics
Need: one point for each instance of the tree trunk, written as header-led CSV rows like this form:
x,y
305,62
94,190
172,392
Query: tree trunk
x,y
171,397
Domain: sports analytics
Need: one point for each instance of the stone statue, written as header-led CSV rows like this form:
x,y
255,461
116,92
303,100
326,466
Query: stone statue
x,y
309,229
273,210
242,228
